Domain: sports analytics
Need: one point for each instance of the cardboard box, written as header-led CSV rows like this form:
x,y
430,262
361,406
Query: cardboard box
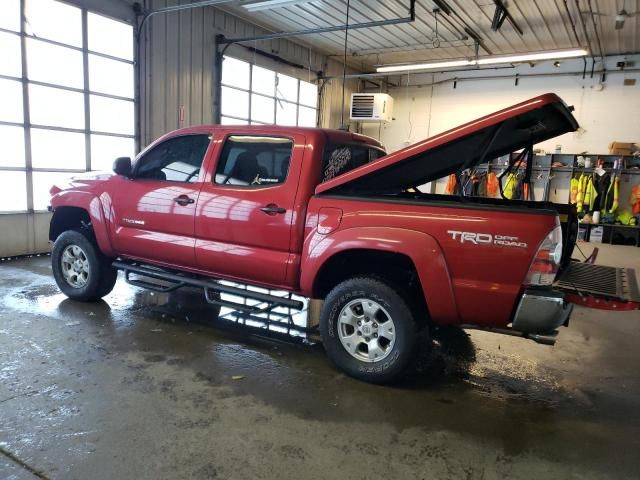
x,y
596,234
621,148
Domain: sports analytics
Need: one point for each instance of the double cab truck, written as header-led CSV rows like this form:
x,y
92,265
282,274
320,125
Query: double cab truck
x,y
327,214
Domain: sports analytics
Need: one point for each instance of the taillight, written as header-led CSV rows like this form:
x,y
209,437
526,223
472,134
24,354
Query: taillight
x,y
546,262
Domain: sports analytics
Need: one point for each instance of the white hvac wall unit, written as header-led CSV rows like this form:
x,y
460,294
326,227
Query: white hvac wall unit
x,y
371,107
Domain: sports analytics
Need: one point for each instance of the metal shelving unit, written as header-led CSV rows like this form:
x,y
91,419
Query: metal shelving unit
x,y
544,171
543,165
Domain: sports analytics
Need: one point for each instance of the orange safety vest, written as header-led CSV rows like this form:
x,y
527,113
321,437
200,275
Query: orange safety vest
x,y
450,189
492,184
634,200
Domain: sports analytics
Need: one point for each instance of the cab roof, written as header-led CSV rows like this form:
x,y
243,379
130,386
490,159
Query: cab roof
x,y
332,135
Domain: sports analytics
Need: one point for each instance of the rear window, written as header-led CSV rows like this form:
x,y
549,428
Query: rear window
x,y
254,161
339,159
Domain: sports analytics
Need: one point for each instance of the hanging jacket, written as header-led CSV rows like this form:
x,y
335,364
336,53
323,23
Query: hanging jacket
x,y
522,189
464,187
586,191
634,200
580,195
492,184
610,203
601,185
475,184
450,189
510,185
573,191
589,194
616,195
482,185
593,194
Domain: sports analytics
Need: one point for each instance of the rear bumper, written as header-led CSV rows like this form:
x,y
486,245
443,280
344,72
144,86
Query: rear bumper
x,y
541,311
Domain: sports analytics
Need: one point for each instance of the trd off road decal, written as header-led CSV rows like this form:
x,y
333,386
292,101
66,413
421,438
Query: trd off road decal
x,y
132,221
486,239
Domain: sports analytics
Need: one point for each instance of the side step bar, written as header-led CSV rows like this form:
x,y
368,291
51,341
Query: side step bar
x,y
178,281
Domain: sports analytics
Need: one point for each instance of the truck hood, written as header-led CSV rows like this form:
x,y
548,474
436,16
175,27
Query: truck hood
x,y
499,133
80,181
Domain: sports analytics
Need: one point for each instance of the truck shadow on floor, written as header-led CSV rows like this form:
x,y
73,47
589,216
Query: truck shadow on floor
x,y
447,356
449,359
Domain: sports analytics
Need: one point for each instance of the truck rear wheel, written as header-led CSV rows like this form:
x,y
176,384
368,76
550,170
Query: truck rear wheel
x,y
81,271
368,330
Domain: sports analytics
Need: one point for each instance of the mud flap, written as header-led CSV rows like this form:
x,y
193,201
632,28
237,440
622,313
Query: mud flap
x,y
599,286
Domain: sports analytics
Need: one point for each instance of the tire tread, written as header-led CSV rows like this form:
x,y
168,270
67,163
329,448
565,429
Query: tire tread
x,y
98,285
392,367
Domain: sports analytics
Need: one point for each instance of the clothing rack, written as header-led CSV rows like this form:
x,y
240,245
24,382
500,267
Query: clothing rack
x,y
629,167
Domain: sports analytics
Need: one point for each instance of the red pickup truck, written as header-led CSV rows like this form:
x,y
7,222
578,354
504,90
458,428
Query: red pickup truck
x,y
328,215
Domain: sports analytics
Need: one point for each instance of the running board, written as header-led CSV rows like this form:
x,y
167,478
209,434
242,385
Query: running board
x,y
176,281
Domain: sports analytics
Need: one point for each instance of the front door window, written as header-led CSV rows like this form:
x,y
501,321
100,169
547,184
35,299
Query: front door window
x,y
178,159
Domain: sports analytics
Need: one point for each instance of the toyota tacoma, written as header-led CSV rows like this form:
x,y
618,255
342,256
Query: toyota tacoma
x,y
327,214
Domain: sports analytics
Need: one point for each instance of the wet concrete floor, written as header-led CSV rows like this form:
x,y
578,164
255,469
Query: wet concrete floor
x,y
135,387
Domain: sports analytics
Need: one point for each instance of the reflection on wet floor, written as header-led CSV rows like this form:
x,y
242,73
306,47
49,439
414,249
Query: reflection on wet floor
x,y
450,357
575,402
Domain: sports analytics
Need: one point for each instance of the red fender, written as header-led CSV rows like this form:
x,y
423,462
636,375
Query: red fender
x,y
93,206
421,248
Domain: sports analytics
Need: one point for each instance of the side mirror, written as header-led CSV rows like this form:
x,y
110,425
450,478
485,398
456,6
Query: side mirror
x,y
122,166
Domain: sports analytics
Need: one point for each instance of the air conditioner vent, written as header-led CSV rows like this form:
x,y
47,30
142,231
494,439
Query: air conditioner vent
x,y
376,107
362,106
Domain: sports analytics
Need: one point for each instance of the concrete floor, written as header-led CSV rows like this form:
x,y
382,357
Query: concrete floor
x,y
131,388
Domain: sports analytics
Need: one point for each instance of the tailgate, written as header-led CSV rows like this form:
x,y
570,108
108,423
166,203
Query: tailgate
x,y
600,286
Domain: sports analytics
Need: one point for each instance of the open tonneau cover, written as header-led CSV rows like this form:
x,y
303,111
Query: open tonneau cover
x,y
500,133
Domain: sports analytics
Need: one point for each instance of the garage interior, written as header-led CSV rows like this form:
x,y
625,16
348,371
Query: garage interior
x,y
154,385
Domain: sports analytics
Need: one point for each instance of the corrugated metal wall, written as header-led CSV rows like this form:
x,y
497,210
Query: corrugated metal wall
x,y
177,67
331,101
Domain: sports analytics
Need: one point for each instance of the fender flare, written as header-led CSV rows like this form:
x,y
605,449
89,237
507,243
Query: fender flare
x,y
94,208
423,250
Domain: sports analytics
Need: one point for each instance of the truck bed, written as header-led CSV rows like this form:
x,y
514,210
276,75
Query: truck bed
x,y
567,214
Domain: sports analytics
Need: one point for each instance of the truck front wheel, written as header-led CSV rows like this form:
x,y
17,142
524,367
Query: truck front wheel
x,y
81,271
368,329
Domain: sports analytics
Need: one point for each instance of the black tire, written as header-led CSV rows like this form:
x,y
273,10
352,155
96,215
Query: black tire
x,y
101,277
400,352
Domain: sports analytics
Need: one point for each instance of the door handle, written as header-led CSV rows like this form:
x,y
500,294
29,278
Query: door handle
x,y
183,200
273,209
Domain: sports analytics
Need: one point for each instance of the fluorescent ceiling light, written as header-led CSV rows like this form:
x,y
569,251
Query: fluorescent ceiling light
x,y
267,4
532,57
527,57
426,66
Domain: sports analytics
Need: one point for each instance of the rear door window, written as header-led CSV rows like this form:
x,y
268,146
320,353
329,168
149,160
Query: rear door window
x,y
254,161
339,159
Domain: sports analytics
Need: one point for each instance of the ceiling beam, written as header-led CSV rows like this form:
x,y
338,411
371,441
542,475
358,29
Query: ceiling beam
x,y
333,28
500,15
